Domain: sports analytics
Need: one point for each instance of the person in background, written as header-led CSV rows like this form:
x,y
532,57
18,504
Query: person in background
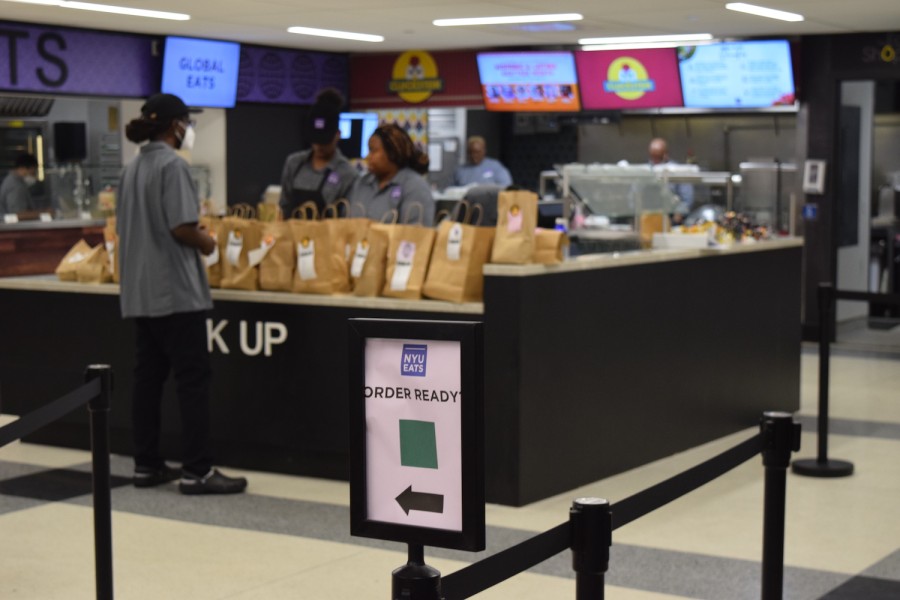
x,y
480,169
165,292
14,194
395,180
658,154
321,174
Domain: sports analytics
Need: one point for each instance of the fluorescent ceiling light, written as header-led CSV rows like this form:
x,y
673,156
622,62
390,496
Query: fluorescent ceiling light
x,y
762,11
649,39
106,8
507,20
643,45
344,35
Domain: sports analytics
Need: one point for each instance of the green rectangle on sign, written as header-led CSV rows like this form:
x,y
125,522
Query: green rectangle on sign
x,y
418,446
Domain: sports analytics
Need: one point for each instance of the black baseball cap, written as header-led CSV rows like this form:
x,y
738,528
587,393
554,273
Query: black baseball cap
x,y
323,123
162,107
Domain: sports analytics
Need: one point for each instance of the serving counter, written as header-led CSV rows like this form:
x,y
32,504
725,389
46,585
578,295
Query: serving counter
x,y
34,247
592,367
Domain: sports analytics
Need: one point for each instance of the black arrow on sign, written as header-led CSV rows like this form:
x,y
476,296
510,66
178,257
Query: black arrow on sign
x,y
410,500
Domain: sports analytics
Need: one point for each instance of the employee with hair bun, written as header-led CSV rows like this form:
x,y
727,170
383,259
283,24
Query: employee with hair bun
x,y
321,174
395,180
165,293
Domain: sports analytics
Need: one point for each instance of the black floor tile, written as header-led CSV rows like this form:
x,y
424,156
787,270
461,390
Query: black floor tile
x,y
870,588
54,485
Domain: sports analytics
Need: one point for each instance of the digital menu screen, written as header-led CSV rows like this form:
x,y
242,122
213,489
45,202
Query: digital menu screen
x,y
201,72
529,81
752,74
623,79
356,129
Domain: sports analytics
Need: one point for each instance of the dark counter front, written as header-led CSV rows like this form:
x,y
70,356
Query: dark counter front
x,y
592,373
279,406
591,368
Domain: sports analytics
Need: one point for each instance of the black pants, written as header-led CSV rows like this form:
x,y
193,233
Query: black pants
x,y
175,343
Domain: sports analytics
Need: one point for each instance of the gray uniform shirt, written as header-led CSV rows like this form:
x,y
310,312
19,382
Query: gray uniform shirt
x,y
298,174
402,193
159,276
488,171
14,195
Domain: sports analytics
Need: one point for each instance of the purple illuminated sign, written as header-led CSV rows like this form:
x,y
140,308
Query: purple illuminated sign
x,y
77,61
281,76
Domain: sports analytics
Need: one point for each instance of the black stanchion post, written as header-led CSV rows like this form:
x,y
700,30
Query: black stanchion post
x,y
821,466
416,580
781,436
99,410
591,523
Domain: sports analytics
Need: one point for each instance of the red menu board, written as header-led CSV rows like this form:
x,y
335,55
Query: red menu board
x,y
623,79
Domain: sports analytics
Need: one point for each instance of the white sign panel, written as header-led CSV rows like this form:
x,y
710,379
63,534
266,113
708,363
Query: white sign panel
x,y
413,410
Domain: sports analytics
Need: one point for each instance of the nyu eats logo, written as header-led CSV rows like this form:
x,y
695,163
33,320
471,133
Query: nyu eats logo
x,y
414,359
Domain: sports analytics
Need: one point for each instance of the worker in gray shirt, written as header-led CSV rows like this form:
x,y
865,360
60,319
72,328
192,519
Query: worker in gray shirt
x,y
14,194
165,291
395,181
321,174
481,170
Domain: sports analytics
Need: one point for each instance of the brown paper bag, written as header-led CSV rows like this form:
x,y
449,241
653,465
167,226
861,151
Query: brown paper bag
x,y
213,262
315,264
242,235
276,271
409,253
457,261
345,232
67,268
268,212
95,266
516,220
550,246
111,241
369,261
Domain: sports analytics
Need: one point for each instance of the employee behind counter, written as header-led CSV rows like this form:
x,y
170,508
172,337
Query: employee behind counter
x,y
394,189
322,174
15,196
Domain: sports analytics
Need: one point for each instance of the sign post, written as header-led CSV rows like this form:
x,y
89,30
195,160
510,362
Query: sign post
x,y
416,439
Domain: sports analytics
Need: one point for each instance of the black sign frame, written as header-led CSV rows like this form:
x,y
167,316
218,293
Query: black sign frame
x,y
469,335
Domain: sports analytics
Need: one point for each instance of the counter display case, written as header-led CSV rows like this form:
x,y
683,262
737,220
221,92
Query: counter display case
x,y
592,367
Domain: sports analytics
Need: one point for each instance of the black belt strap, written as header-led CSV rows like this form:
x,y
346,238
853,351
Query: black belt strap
x,y
627,510
499,567
45,415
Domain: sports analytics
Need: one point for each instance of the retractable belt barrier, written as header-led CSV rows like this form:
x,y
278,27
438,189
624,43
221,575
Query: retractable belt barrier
x,y
827,296
95,394
588,533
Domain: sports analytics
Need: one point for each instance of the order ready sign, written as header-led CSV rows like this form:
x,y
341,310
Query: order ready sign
x,y
417,472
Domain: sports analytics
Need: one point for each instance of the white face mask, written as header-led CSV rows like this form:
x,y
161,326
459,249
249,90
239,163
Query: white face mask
x,y
30,180
187,141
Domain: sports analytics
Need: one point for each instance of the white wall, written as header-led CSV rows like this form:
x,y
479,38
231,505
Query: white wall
x,y
853,261
209,149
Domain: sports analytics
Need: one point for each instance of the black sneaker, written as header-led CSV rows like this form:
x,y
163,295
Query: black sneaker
x,y
211,483
149,477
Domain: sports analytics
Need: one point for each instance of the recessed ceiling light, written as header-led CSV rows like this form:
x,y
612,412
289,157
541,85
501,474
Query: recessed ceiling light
x,y
538,27
762,11
331,33
649,39
106,8
507,20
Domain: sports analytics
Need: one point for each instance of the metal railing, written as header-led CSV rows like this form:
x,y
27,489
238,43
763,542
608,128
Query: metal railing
x,y
95,393
588,532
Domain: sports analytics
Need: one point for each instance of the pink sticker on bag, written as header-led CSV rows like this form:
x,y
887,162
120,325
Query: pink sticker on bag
x,y
514,219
